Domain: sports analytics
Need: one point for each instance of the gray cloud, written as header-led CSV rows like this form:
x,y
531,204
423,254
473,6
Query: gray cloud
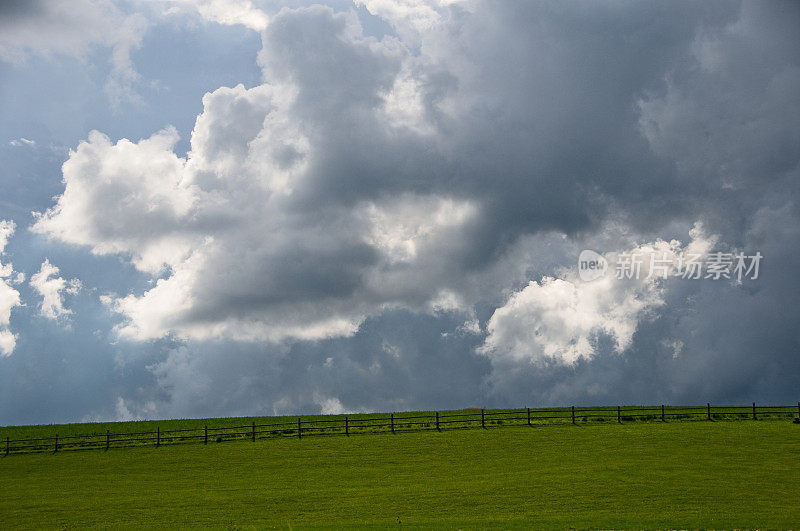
x,y
328,226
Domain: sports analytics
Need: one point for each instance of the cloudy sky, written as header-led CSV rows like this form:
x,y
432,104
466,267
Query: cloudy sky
x,y
231,207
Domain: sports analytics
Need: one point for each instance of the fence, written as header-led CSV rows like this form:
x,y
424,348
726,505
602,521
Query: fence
x,y
397,422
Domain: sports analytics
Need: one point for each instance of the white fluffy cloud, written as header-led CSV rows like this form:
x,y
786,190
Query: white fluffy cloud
x,y
9,297
562,319
110,187
52,288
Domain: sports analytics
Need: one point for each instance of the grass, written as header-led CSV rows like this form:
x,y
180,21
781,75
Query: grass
x,y
684,475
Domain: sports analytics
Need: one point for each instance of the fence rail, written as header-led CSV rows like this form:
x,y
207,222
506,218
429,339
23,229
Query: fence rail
x,y
396,422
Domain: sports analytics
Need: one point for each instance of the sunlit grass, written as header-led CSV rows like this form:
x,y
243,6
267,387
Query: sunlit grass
x,y
683,475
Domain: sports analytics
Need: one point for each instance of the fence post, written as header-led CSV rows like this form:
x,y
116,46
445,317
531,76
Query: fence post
x,y
708,411
754,411
529,416
346,426
573,414
158,436
56,442
662,413
254,432
8,439
108,438
205,434
299,429
437,421
483,418
619,415
392,422
798,410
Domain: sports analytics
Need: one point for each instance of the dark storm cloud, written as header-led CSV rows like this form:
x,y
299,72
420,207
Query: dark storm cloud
x,y
547,126
398,361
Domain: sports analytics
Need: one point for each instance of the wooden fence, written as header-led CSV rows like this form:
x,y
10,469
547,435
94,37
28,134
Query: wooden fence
x,y
397,422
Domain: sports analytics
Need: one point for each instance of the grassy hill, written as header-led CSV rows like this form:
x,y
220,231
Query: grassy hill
x,y
683,475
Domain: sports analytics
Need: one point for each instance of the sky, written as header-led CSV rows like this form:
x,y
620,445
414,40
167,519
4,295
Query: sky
x,y
226,207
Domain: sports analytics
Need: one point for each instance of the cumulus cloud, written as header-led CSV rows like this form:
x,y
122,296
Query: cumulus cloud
x,y
67,27
306,205
52,288
451,171
117,184
9,297
562,319
252,251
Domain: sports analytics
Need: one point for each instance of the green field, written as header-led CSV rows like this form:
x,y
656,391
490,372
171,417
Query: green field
x,y
684,475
